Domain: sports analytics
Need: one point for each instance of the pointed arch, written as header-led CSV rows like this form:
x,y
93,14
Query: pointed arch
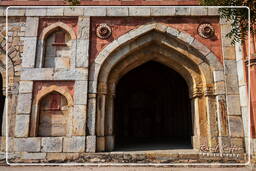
x,y
51,28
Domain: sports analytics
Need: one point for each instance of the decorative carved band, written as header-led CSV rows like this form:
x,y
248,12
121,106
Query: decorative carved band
x,y
250,62
197,92
102,88
209,90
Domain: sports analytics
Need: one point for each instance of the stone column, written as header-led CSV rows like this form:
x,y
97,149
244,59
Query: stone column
x,y
109,131
100,118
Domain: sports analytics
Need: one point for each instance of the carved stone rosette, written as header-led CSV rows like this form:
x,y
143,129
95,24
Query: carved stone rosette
x,y
205,30
103,31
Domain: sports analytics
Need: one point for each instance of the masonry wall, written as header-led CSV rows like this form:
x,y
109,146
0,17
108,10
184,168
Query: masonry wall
x,y
30,81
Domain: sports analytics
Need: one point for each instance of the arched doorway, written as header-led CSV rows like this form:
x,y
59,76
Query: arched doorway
x,y
152,110
2,102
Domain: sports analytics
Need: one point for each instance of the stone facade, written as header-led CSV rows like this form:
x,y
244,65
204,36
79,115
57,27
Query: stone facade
x,y
62,86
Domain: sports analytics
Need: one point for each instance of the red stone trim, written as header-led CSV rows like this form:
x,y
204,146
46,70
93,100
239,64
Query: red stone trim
x,y
102,3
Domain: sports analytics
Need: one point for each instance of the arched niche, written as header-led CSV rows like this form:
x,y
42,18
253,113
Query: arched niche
x,y
52,112
166,45
54,46
2,106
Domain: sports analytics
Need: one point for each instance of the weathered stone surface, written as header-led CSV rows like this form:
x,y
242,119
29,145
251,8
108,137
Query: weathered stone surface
x,y
24,103
95,11
240,73
91,115
80,94
74,144
33,156
233,105
185,37
27,144
182,11
139,11
214,62
55,11
77,74
26,87
90,144
231,76
200,47
83,28
162,11
212,11
37,74
198,11
229,53
51,144
36,11
218,76
82,53
79,120
22,125
172,31
16,11
61,156
220,87
62,63
243,96
28,60
236,126
73,11
117,11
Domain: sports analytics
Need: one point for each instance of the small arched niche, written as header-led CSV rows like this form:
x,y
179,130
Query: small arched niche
x,y
57,49
53,115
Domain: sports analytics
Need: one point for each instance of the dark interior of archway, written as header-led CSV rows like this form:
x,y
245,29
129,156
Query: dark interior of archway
x,y
2,101
152,110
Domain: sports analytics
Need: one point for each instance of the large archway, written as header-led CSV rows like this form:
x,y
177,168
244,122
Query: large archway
x,y
177,50
152,110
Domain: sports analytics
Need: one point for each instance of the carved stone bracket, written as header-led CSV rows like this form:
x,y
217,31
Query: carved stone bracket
x,y
250,62
103,31
197,92
205,30
102,88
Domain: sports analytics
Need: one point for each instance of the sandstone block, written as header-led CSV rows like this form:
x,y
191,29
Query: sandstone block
x,y
243,96
27,144
117,11
74,144
95,11
82,53
80,94
55,11
185,37
200,47
62,156
236,126
22,125
91,115
83,28
218,76
16,12
51,144
37,74
26,87
214,63
29,54
233,105
198,11
139,11
76,74
24,103
182,11
36,11
213,11
229,53
90,144
33,156
162,11
79,120
231,76
73,11
172,31
62,63
240,73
